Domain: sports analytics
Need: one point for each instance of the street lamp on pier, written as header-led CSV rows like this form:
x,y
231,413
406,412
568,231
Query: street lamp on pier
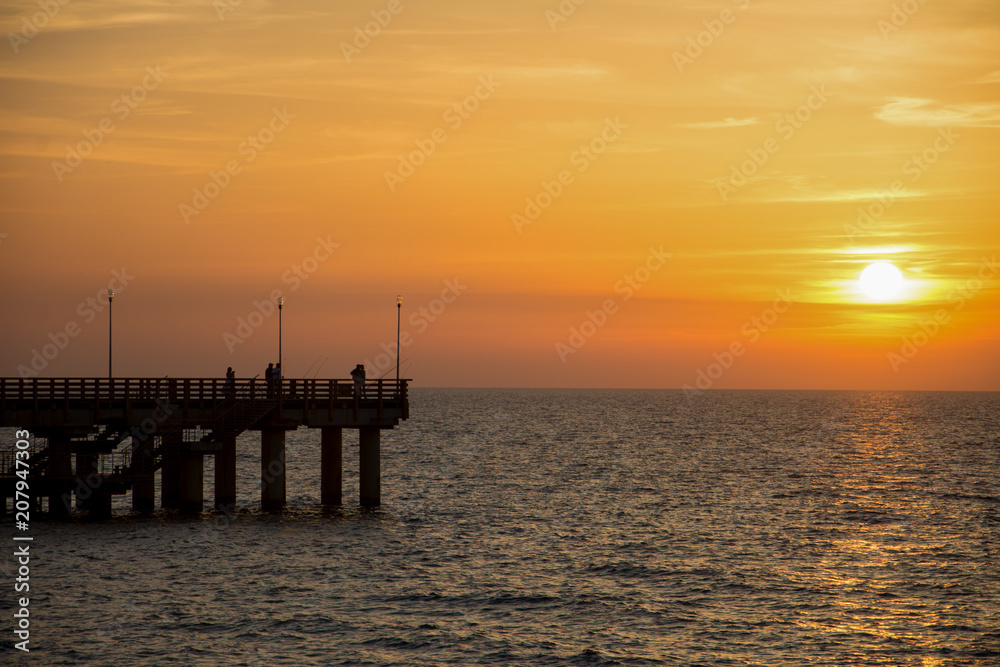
x,y
281,302
111,298
399,308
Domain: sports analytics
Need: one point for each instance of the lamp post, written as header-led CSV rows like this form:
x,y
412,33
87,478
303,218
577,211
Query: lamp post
x,y
281,302
111,298
399,308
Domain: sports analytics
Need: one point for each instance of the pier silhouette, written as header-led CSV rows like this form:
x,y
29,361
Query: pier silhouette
x,y
95,438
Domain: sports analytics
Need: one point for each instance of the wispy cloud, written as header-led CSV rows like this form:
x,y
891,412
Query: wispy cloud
x,y
728,122
925,112
992,77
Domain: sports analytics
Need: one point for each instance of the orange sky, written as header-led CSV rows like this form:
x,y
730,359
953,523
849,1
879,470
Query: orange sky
x,y
690,162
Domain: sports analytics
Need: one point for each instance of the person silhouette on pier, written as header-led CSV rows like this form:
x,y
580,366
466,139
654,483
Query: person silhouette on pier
x,y
358,375
269,380
230,382
277,378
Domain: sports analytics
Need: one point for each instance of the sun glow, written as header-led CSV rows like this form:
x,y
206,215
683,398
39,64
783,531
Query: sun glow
x,y
881,281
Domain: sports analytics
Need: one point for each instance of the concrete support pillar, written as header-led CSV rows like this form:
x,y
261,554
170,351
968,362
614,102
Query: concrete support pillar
x,y
144,494
144,487
225,476
87,478
272,469
60,472
192,481
370,464
170,473
331,465
99,505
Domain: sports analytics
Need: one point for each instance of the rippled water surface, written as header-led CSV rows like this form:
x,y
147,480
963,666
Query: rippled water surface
x,y
547,527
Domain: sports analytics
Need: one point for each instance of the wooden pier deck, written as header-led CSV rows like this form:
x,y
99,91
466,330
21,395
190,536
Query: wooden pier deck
x,y
101,437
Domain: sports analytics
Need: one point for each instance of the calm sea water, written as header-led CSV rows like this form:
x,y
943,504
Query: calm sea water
x,y
546,527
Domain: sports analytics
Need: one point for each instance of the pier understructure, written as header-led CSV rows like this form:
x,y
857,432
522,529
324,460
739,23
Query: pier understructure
x,y
94,438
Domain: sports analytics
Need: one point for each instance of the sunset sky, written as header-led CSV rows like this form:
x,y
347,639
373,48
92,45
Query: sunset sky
x,y
688,173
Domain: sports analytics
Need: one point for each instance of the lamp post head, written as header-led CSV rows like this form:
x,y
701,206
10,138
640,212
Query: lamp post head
x,y
399,301
281,302
111,295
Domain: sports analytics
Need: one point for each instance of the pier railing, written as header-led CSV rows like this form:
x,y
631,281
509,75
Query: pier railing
x,y
196,389
113,463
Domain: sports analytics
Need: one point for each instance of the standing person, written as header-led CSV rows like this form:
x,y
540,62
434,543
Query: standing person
x,y
269,379
230,382
277,378
358,375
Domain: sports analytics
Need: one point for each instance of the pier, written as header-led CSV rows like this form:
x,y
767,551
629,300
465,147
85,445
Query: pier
x,y
95,438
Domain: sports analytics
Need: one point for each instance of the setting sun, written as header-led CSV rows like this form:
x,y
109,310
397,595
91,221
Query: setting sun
x,y
881,281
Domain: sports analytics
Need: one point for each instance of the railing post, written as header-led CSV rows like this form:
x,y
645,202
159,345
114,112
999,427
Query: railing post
x,y
307,385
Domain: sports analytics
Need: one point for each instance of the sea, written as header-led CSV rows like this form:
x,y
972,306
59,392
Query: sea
x,y
564,527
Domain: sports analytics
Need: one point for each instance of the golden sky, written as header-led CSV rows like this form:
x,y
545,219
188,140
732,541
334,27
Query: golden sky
x,y
599,193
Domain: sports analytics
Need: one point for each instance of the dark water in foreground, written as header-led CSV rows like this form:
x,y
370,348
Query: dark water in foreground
x,y
569,528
